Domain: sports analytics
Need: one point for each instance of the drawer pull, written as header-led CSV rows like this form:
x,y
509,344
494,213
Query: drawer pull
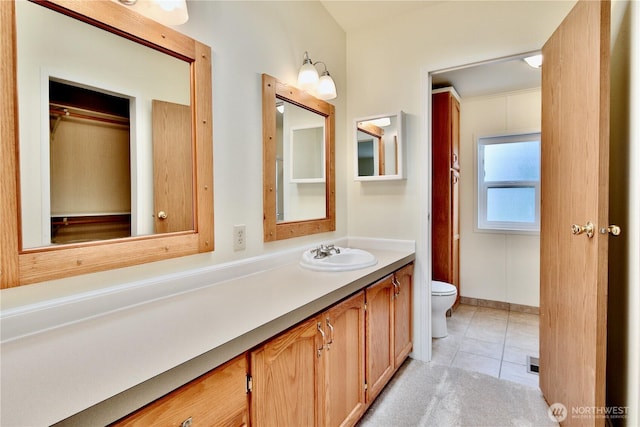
x,y
187,422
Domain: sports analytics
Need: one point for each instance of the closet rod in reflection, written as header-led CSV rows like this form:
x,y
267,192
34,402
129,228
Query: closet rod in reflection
x,y
90,219
81,113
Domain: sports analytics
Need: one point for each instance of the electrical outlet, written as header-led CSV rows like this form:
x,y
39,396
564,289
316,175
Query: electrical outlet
x,y
239,237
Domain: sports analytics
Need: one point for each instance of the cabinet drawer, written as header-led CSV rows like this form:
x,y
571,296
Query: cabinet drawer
x,y
217,398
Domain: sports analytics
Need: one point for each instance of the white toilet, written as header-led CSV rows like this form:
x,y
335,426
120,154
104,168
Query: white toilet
x,y
443,295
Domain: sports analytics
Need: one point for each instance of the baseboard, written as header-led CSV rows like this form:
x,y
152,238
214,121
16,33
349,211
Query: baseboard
x,y
500,305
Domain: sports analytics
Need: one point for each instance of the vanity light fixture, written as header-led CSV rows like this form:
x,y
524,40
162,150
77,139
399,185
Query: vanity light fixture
x,y
309,80
167,12
534,61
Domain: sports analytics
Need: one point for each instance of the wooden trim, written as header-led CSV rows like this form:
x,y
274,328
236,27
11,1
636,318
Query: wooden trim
x,y
370,129
269,154
9,206
381,158
124,22
203,126
272,89
53,263
40,264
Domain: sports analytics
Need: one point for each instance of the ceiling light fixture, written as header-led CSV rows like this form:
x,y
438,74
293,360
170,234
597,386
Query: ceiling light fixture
x,y
534,61
308,79
167,12
381,122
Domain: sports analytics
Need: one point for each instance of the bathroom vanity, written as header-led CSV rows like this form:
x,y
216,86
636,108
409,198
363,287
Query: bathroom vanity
x,y
325,370
108,354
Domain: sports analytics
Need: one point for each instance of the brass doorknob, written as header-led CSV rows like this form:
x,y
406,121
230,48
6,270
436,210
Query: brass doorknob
x,y
162,215
580,229
614,230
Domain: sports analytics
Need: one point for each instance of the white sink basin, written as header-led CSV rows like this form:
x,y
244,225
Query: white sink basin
x,y
347,259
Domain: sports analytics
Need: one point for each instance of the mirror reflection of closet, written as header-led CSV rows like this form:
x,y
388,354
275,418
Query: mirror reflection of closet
x,y
90,177
379,148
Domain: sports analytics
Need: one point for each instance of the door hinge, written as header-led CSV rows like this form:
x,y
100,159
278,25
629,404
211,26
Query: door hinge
x,y
365,306
249,383
366,387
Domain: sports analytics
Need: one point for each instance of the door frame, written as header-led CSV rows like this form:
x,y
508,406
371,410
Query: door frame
x,y
422,304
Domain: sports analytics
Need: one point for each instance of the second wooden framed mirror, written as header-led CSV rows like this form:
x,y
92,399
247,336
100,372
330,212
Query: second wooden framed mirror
x,y
298,134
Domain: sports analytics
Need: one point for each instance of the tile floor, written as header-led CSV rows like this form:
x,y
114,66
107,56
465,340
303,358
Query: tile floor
x,y
492,341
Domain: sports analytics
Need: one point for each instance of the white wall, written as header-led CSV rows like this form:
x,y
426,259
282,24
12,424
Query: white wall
x,y
495,266
438,36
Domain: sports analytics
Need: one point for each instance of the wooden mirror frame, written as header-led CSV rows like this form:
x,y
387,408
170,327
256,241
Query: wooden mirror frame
x,y
273,89
22,266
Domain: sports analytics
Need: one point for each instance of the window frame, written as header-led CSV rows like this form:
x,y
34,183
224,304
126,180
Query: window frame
x,y
481,224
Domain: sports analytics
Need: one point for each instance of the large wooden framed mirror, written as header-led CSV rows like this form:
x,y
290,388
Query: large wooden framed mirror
x,y
153,165
298,132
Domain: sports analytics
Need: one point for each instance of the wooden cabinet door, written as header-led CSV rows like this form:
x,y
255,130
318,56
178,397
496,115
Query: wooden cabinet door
x,y
402,325
442,176
345,360
379,336
454,266
218,398
286,372
446,188
455,132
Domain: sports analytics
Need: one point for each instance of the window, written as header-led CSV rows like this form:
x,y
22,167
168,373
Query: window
x,y
509,182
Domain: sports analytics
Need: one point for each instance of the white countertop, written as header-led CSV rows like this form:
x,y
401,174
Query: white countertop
x,y
51,375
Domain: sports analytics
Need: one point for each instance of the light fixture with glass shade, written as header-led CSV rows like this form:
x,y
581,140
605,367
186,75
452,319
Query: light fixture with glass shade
x,y
167,12
534,61
308,79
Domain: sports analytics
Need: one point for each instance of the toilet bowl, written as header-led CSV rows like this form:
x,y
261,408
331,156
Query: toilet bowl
x,y
443,295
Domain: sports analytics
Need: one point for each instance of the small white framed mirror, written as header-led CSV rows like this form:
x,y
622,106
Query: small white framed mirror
x,y
379,147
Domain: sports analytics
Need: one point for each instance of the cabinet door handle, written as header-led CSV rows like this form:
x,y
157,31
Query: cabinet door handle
x,y
455,176
396,287
321,333
331,336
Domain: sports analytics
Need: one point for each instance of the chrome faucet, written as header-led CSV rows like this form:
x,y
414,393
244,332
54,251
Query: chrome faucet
x,y
324,251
